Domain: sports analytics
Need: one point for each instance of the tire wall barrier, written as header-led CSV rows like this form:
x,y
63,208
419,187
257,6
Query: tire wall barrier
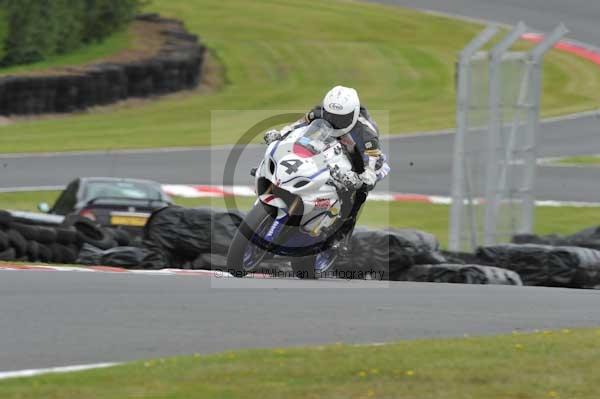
x,y
199,238
175,67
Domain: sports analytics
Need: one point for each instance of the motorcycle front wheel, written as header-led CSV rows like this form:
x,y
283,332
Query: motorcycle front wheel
x,y
241,245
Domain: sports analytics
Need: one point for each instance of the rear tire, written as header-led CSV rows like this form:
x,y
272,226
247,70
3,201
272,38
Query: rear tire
x,y
235,256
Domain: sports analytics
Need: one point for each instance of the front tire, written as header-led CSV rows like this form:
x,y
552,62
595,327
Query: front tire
x,y
253,221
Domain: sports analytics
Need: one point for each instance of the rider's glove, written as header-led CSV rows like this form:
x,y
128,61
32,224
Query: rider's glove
x,y
345,180
271,136
275,135
375,170
368,178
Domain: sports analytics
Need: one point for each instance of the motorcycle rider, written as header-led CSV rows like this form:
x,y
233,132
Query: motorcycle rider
x,y
359,134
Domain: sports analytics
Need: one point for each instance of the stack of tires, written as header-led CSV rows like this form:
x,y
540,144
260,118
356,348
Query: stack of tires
x,y
26,242
176,66
22,241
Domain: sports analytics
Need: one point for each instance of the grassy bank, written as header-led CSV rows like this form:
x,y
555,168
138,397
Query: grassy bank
x,y
284,56
431,218
542,365
85,55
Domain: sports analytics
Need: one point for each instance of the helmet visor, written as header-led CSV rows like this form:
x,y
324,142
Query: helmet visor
x,y
339,121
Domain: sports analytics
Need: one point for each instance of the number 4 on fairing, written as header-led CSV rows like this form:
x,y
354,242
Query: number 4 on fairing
x,y
292,165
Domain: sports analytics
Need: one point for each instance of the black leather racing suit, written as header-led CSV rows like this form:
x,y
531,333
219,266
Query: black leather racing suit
x,y
362,145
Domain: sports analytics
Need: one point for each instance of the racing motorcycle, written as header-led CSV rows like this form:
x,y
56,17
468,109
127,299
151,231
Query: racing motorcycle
x,y
300,207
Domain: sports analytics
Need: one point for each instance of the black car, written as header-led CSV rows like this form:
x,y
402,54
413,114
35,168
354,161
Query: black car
x,y
110,201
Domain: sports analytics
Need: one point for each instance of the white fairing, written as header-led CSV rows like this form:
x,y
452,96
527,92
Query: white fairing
x,y
290,166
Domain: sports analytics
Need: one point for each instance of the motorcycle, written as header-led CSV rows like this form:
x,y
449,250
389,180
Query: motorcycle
x,y
300,208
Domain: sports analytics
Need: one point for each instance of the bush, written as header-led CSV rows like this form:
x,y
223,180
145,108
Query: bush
x,y
36,29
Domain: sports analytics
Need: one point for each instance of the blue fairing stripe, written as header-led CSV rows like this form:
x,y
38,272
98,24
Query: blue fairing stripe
x,y
275,148
318,173
294,178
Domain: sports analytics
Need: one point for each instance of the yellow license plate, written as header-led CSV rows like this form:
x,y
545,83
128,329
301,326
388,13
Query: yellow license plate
x,y
137,221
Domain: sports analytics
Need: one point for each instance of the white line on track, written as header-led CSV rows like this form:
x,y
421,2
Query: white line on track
x,y
54,370
30,188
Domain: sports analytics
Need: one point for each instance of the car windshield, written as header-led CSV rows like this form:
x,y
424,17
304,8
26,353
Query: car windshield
x,y
110,189
317,136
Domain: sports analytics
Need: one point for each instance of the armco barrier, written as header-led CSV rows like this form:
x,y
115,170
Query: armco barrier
x,y
175,67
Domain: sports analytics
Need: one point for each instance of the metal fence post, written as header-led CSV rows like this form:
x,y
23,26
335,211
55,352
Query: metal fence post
x,y
463,97
534,60
495,130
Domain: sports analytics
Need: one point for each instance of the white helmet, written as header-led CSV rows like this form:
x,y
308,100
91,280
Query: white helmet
x,y
341,108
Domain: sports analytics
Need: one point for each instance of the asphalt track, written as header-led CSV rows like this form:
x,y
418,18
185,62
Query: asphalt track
x,y
53,319
420,164
580,16
64,318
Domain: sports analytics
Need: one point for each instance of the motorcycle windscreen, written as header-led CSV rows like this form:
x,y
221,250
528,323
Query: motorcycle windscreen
x,y
318,135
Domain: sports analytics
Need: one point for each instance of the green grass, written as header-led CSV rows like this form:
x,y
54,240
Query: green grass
x,y
580,160
430,218
543,365
111,45
27,201
284,55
